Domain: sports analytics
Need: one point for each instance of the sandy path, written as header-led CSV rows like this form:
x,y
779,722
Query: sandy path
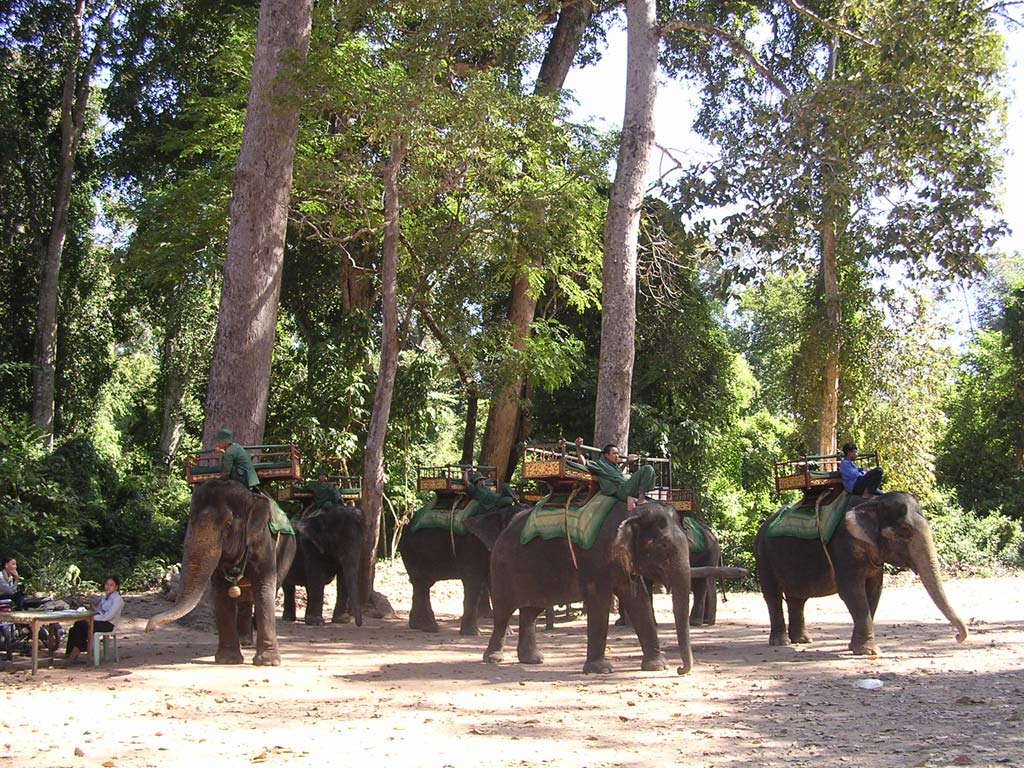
x,y
385,695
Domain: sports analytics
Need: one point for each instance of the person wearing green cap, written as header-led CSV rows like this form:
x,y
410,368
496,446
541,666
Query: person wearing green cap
x,y
234,461
484,496
324,492
613,482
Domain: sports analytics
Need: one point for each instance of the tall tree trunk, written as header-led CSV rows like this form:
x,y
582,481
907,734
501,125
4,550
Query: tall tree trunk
x,y
74,102
833,323
244,343
503,417
173,423
618,277
373,467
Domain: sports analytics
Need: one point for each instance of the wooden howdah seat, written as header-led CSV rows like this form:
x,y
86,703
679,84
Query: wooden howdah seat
x,y
272,463
550,472
350,487
447,480
815,474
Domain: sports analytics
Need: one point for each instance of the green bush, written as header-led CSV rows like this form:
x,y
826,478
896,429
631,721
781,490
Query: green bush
x,y
970,544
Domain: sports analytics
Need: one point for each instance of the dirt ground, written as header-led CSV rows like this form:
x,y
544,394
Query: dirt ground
x,y
384,695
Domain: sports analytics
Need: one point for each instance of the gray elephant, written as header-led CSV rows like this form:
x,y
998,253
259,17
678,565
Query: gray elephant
x,y
330,543
885,529
228,543
431,555
647,542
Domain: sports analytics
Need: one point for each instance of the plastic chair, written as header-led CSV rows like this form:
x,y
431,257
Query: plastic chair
x,y
104,640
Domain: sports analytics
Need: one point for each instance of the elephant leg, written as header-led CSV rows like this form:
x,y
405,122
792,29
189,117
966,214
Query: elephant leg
x,y
496,645
772,594
549,617
527,646
862,642
598,604
314,597
472,591
349,577
225,610
244,624
711,603
699,591
267,652
341,614
288,613
421,615
484,609
797,630
874,591
642,614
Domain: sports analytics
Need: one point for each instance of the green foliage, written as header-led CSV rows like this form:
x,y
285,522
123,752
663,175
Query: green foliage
x,y
969,544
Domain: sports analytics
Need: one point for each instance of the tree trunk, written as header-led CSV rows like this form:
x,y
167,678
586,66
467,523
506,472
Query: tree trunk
x,y
173,423
618,277
833,322
503,417
247,319
74,102
373,467
469,434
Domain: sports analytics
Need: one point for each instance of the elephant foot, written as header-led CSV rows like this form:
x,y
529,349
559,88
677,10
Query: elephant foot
x,y
865,649
802,639
469,631
288,617
655,663
493,657
424,625
246,642
694,622
228,657
267,659
598,667
315,621
344,618
778,639
531,657
622,621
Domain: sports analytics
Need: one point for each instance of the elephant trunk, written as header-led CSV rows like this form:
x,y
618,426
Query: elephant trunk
x,y
201,557
680,586
351,576
926,562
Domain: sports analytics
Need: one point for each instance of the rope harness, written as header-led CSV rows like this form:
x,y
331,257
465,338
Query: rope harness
x,y
565,518
234,574
451,522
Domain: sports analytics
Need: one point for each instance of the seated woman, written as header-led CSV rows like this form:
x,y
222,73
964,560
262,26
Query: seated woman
x,y
108,610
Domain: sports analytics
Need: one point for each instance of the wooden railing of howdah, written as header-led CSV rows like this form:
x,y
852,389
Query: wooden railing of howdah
x,y
272,463
813,472
448,478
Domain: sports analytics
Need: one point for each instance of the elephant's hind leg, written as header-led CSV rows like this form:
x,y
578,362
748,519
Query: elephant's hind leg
x,y
772,594
495,647
288,612
527,646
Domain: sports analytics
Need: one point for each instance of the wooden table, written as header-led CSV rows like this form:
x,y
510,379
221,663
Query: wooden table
x,y
34,619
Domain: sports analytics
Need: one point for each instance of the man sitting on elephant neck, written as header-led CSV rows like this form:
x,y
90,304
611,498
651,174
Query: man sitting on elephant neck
x,y
484,496
613,482
325,494
855,480
234,461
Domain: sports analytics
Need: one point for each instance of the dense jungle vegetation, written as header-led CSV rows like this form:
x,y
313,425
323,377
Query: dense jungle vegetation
x,y
848,137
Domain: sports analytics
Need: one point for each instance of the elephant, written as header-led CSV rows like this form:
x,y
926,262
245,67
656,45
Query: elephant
x,y
888,528
704,590
431,555
330,544
647,542
228,531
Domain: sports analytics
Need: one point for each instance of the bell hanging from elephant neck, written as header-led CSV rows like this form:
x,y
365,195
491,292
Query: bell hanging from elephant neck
x,y
234,591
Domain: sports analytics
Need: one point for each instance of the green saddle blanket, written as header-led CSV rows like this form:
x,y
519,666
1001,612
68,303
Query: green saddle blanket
x,y
279,522
698,543
441,515
583,522
804,521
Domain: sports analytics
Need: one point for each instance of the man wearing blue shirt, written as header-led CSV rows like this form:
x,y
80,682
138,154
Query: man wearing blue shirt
x,y
855,479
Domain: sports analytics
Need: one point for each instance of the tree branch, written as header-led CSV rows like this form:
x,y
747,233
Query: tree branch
x,y
737,45
803,10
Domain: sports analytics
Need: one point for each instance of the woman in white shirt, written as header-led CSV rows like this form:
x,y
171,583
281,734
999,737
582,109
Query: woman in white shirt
x,y
108,611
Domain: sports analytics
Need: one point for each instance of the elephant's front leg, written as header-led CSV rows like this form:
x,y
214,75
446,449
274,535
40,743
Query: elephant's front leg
x,y
244,623
341,613
314,597
637,602
855,595
421,615
598,603
264,589
225,610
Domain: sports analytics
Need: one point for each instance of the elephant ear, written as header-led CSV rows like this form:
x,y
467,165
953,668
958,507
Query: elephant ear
x,y
310,529
623,548
862,523
258,523
488,526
